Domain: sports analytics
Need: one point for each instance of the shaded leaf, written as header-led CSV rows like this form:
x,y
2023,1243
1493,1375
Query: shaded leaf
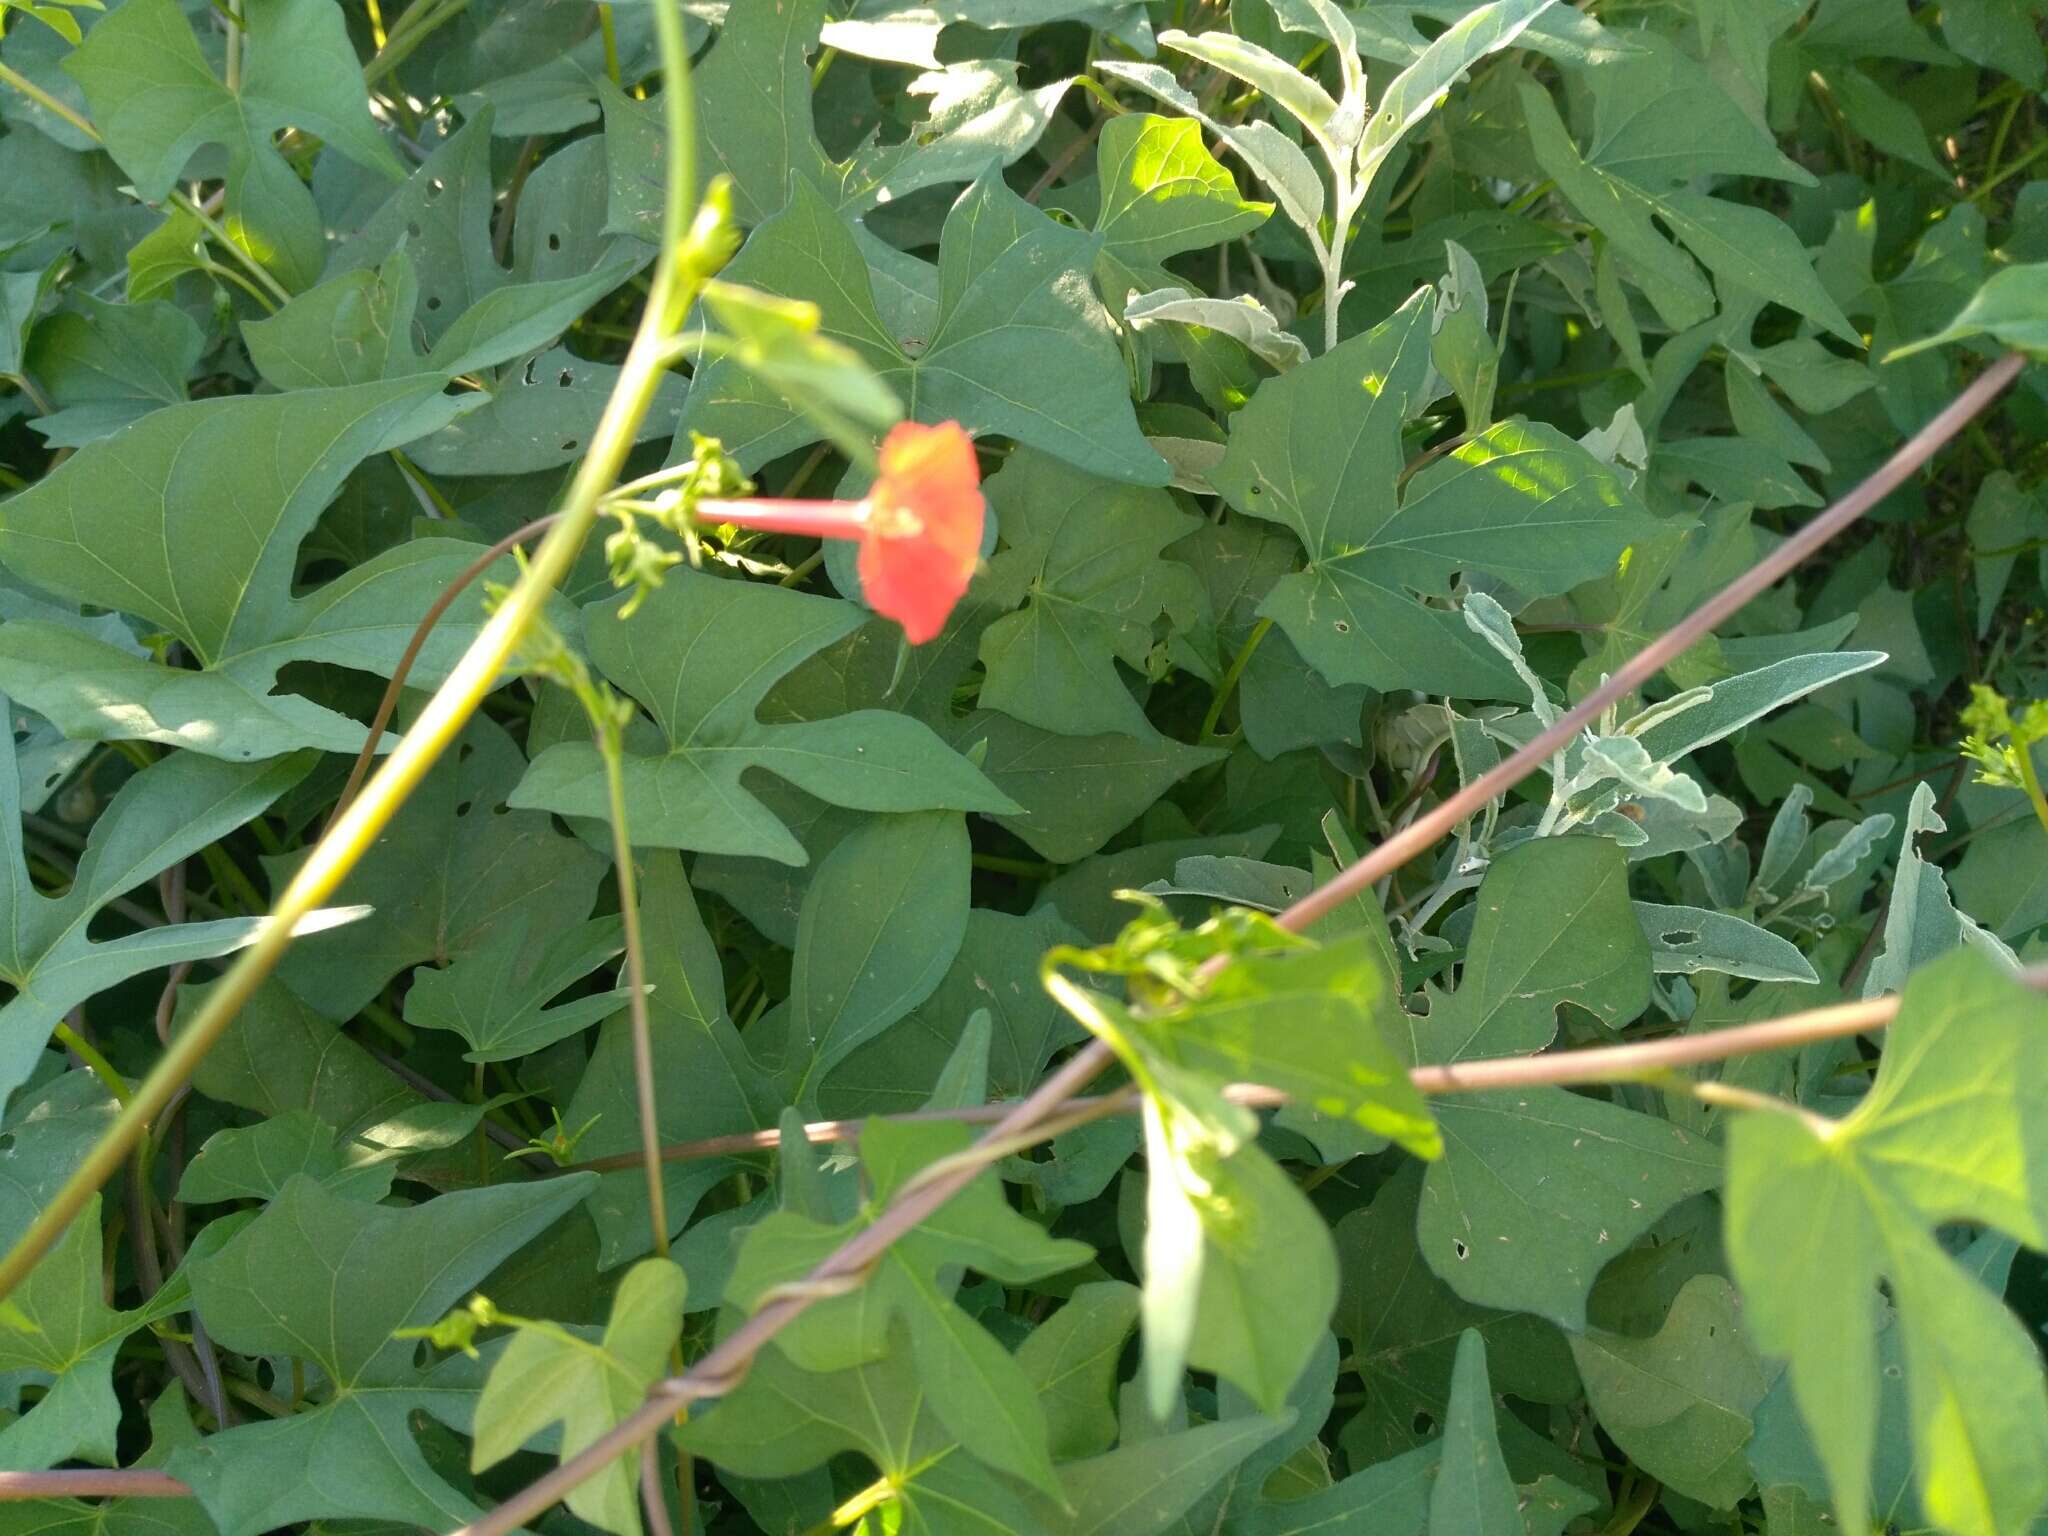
x,y
133,523
978,1390
276,1287
547,1374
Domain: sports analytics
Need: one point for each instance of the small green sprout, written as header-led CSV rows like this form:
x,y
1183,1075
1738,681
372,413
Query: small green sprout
x,y
559,1145
1998,743
458,1329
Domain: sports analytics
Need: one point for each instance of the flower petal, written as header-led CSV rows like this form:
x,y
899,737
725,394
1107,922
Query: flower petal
x,y
924,527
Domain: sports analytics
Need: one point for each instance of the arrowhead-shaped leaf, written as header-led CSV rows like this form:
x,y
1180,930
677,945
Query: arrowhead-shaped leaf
x,y
701,654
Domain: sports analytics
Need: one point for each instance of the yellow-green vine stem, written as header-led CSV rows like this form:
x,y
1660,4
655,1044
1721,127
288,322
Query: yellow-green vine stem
x,y
46,101
231,71
279,295
2030,780
95,1063
410,30
611,42
676,275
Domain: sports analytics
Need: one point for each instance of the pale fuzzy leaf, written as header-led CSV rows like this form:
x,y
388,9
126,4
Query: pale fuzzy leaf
x,y
1243,319
1921,922
1736,701
1276,79
1687,940
1415,92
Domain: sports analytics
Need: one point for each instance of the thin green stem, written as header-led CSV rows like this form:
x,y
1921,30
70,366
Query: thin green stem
x,y
1024,869
1231,676
1561,381
610,33
417,477
407,34
803,568
216,269
804,471
483,1143
388,704
675,280
1997,150
231,74
388,1024
1636,1503
1333,281
95,1063
228,875
1102,95
35,395
2010,171
1729,1096
46,101
2031,779
612,749
221,237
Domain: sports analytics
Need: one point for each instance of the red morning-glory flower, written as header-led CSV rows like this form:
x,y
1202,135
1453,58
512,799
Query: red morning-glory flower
x,y
919,526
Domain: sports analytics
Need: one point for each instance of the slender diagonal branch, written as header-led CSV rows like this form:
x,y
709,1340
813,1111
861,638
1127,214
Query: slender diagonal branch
x,y
726,1365
1633,1062
92,1483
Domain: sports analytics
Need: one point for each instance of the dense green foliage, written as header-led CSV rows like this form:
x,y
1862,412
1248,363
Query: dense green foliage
x,y
1354,389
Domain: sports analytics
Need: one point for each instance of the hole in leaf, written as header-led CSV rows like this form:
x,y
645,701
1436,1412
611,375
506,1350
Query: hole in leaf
x,y
554,242
1423,1422
568,445
435,187
1679,938
564,379
526,374
1342,627
412,228
1458,1247
433,301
